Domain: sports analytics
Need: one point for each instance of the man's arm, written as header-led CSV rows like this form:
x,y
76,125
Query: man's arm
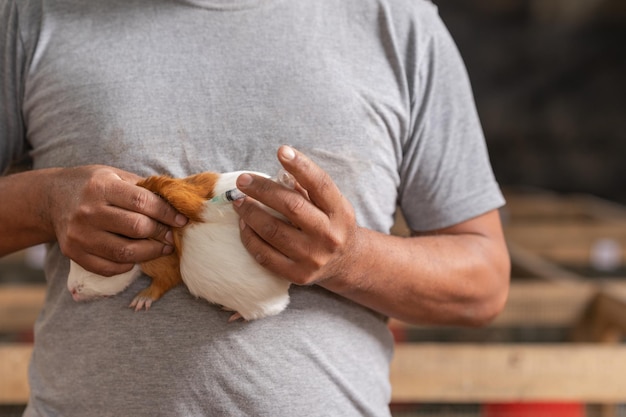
x,y
458,275
453,276
100,218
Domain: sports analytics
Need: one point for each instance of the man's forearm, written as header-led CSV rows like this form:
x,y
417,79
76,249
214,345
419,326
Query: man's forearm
x,y
24,216
444,278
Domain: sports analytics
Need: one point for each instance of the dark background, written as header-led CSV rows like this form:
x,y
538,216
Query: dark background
x,y
549,77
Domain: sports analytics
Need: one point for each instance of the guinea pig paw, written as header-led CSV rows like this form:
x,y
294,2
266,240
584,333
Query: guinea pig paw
x,y
235,317
140,302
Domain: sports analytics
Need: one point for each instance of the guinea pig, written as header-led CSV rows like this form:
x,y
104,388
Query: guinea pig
x,y
209,256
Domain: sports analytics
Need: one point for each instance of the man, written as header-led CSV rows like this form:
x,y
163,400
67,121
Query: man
x,y
374,99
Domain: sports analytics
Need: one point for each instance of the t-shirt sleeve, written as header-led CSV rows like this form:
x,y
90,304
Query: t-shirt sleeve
x,y
446,174
12,142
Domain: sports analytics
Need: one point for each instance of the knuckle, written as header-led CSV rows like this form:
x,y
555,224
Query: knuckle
x,y
295,205
141,227
265,186
313,259
83,213
334,241
124,254
271,231
317,263
314,265
325,183
262,260
94,186
139,201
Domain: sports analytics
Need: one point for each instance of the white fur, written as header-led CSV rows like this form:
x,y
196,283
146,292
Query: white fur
x,y
216,266
85,285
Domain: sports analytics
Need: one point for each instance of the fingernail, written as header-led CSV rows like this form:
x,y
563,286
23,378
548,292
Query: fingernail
x,y
238,202
167,249
181,220
244,180
169,237
287,153
242,224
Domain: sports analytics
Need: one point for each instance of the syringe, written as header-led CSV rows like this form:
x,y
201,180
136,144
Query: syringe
x,y
283,177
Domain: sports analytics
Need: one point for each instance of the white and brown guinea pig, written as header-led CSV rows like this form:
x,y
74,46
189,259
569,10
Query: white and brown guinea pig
x,y
209,256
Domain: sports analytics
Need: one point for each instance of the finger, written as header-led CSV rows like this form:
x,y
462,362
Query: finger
x,y
298,270
265,254
279,234
290,203
102,266
111,246
139,200
319,185
121,250
109,259
126,223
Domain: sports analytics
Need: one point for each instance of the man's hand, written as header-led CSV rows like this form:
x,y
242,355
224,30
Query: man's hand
x,y
318,242
456,275
106,223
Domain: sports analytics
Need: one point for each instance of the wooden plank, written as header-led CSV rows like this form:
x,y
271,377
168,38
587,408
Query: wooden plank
x,y
564,229
453,373
541,206
20,306
545,304
602,208
530,264
573,245
500,373
537,304
14,360
582,256
571,235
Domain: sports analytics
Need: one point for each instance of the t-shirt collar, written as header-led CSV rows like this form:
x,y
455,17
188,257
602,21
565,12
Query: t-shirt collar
x,y
225,4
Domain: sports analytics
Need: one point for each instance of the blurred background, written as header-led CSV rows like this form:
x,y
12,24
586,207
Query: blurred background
x,y
549,78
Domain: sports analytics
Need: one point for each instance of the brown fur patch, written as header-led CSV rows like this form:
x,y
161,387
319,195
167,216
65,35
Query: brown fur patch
x,y
187,195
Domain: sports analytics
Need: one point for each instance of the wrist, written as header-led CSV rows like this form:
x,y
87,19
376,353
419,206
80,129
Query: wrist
x,y
352,275
45,200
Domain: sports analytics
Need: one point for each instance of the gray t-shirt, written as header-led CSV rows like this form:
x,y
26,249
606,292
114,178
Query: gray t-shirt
x,y
373,90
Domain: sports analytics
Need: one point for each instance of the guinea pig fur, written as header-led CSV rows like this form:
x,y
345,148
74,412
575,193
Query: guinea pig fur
x,y
208,257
